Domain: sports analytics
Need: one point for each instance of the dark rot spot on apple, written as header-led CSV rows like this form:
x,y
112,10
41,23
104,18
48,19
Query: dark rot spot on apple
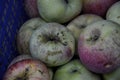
x,y
82,26
40,72
75,71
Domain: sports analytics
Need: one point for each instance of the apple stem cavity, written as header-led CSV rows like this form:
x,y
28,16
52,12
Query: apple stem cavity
x,y
66,1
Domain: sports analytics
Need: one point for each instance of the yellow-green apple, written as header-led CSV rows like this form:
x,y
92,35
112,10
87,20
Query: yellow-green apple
x,y
74,70
99,46
115,75
77,25
53,44
60,11
25,32
27,69
31,9
113,13
98,7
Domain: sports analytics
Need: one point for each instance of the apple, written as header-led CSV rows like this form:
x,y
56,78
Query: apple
x,y
20,58
53,44
99,46
31,9
113,13
60,11
74,70
77,25
25,32
26,56
115,75
28,69
98,7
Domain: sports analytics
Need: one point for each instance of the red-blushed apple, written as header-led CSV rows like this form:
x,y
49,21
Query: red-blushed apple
x,y
20,58
77,25
53,44
26,56
99,46
115,75
98,7
31,9
25,32
74,70
60,11
28,69
113,13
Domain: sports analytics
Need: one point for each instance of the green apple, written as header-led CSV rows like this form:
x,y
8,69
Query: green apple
x,y
25,32
59,11
74,70
115,75
53,44
113,13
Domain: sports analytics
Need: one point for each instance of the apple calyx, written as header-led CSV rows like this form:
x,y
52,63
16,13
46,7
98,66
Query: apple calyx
x,y
95,34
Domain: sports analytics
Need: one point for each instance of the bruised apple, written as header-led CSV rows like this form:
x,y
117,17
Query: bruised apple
x,y
27,69
99,46
25,32
78,25
53,44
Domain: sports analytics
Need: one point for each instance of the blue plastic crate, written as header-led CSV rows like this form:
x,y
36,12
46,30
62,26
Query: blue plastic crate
x,y
12,16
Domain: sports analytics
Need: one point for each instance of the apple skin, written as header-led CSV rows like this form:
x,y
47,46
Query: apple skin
x,y
74,70
53,44
115,75
77,25
99,48
98,7
113,13
28,69
25,32
60,11
31,8
26,56
20,58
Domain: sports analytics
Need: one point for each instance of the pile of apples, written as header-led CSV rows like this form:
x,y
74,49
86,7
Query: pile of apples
x,y
68,40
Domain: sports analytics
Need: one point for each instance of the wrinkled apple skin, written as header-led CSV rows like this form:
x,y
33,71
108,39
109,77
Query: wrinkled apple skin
x,y
74,70
60,11
115,75
99,46
98,7
25,32
31,8
27,69
113,13
53,44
